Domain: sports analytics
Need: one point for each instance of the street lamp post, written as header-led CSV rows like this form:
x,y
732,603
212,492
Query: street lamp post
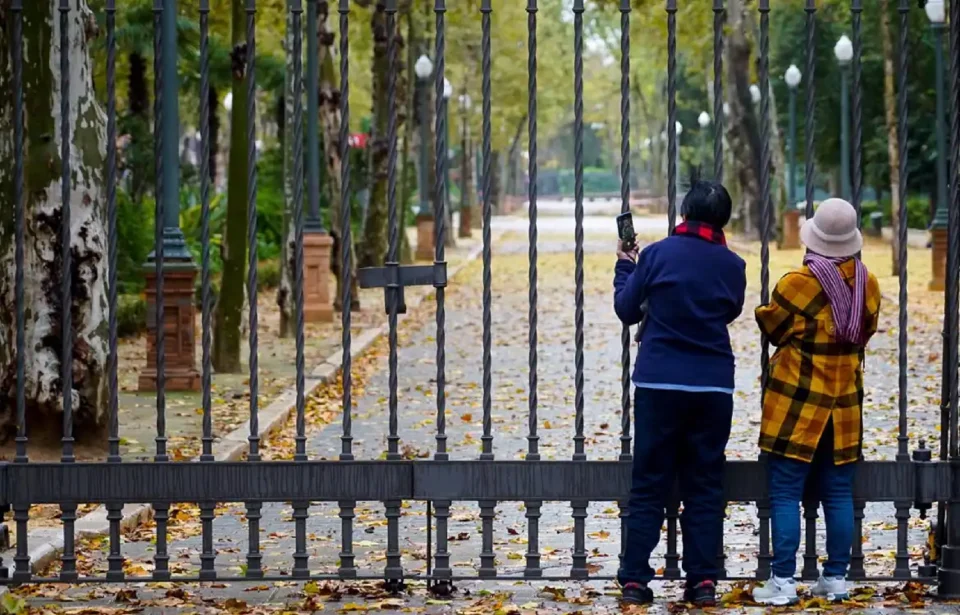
x,y
447,93
677,161
936,13
466,185
177,269
790,239
317,242
793,77
843,50
704,121
425,249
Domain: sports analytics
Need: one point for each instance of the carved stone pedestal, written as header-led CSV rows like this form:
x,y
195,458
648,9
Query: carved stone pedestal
x,y
425,247
938,258
317,301
791,230
179,327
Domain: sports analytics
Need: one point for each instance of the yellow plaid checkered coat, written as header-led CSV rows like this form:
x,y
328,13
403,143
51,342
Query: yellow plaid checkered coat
x,y
813,377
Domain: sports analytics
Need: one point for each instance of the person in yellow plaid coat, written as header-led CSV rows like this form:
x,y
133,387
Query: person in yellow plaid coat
x,y
820,318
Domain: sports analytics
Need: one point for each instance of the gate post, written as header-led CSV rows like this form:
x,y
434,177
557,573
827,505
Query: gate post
x,y
948,577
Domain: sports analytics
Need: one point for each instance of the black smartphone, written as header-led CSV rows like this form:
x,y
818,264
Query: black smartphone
x,y
625,231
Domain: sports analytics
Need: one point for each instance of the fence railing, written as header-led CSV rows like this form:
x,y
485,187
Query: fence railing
x,y
914,481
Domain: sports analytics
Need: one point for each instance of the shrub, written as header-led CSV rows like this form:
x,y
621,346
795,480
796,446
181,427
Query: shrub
x,y
131,315
918,211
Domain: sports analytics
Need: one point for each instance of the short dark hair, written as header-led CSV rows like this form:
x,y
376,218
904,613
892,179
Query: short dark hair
x,y
707,202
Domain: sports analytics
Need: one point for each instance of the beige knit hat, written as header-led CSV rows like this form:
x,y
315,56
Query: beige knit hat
x,y
832,231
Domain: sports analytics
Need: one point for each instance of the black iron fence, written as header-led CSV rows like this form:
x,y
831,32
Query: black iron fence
x,y
910,482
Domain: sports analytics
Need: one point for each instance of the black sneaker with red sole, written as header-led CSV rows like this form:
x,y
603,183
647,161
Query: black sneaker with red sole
x,y
701,594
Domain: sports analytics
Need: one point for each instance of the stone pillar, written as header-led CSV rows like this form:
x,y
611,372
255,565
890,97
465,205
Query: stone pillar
x,y
425,248
179,327
939,258
791,230
317,302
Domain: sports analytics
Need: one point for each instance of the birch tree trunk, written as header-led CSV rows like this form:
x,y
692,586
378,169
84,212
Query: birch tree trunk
x,y
893,143
43,215
228,315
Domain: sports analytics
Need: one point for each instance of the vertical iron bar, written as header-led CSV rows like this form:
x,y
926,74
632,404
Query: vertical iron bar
x,y
671,570
313,116
346,440
206,296
856,11
902,136
393,571
486,10
764,559
347,569
17,9
301,559
442,571
533,440
296,24
671,114
578,439
857,570
810,570
953,224
159,215
532,568
207,554
114,515
811,27
487,557
66,297
161,559
251,22
68,561
766,211
901,569
21,560
719,118
113,438
254,569
393,291
579,568
625,341
440,226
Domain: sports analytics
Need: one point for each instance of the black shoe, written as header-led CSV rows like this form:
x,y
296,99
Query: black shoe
x,y
701,594
636,593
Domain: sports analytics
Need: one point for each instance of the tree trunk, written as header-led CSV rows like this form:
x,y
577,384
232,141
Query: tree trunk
x,y
742,129
893,143
285,294
330,127
228,315
375,232
43,214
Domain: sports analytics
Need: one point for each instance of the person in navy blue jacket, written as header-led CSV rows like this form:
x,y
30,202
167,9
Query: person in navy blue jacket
x,y
686,289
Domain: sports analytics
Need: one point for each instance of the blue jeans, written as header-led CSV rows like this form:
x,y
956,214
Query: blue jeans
x,y
679,435
833,486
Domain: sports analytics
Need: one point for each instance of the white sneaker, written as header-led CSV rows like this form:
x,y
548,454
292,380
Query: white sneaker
x,y
776,592
833,588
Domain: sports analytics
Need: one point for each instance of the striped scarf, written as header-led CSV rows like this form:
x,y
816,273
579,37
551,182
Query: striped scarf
x,y
847,304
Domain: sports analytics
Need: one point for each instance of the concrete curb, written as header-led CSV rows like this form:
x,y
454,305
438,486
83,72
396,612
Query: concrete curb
x,y
46,544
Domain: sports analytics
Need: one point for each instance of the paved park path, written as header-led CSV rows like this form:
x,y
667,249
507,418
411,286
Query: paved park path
x,y
556,415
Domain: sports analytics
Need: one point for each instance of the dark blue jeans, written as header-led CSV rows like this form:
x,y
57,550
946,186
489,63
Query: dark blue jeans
x,y
678,436
833,485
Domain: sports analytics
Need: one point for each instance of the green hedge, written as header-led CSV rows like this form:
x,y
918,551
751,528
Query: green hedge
x,y
918,211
